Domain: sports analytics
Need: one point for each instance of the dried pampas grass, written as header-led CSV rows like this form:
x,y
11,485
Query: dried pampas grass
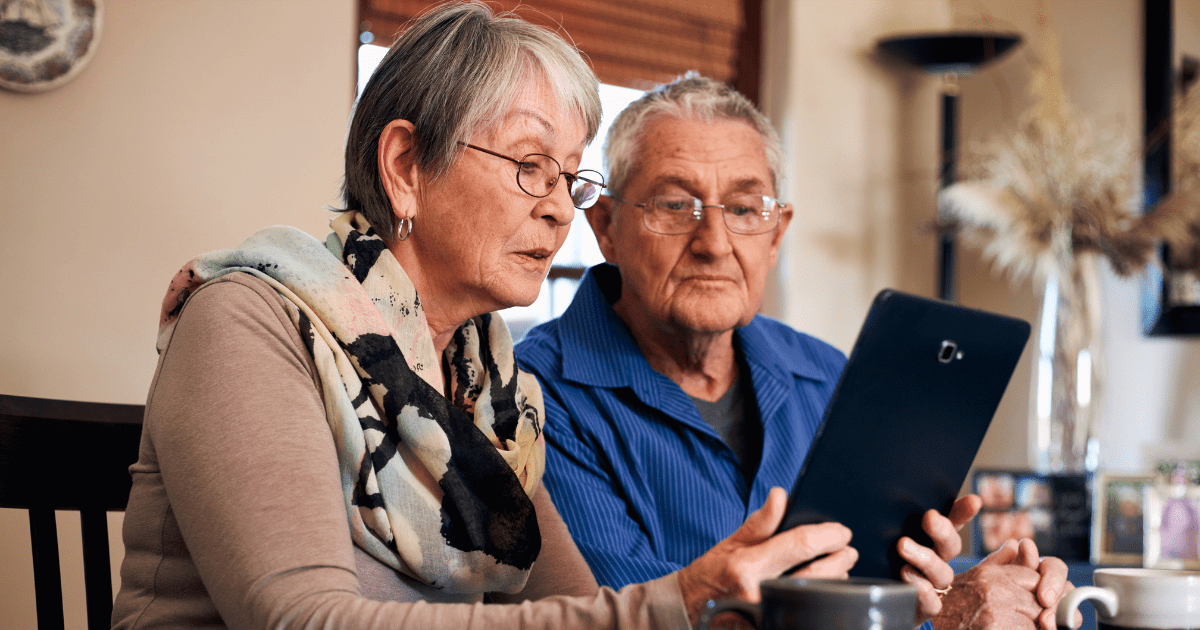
x,y
1056,188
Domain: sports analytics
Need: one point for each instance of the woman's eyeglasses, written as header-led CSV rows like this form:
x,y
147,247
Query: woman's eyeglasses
x,y
537,174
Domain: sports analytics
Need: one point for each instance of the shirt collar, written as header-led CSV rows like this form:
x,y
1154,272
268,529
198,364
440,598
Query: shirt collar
x,y
597,348
761,344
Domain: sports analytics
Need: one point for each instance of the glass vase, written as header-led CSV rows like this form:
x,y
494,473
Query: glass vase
x,y
1067,376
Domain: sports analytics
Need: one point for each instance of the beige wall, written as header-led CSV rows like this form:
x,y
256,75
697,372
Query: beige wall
x,y
859,139
197,122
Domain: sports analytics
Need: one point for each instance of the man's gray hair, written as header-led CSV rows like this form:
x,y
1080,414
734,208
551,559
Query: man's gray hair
x,y
456,70
692,96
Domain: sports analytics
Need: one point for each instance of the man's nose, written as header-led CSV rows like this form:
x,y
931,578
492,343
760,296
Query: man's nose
x,y
711,238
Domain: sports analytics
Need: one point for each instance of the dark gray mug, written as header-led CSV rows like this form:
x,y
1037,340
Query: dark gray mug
x,y
800,604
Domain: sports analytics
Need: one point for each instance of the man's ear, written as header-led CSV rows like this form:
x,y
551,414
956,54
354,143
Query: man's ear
x,y
398,167
600,217
785,217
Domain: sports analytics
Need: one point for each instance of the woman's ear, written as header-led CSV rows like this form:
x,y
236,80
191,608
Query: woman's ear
x,y
398,167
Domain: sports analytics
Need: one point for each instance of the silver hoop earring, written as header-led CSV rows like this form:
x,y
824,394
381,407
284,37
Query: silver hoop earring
x,y
404,229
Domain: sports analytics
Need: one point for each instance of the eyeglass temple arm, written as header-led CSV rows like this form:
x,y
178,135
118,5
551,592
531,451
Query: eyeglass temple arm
x,y
571,177
499,155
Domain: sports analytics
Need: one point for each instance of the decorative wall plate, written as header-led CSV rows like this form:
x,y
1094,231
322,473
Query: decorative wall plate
x,y
45,43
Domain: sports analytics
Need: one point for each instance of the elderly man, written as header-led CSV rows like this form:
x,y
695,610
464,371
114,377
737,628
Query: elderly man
x,y
673,408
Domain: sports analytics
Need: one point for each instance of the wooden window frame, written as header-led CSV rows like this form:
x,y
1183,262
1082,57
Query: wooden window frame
x,y
722,40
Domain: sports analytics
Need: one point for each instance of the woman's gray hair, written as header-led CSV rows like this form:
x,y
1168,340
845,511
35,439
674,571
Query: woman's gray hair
x,y
455,70
691,96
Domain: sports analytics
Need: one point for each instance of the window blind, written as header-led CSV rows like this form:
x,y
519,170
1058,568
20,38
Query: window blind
x,y
631,43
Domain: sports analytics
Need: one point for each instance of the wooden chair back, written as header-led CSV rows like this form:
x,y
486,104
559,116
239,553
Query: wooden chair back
x,y
68,455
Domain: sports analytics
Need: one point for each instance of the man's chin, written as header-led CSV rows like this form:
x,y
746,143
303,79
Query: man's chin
x,y
711,312
712,322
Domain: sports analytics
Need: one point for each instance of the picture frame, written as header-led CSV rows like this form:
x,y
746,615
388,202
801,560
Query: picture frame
x,y
1118,526
1054,510
1172,537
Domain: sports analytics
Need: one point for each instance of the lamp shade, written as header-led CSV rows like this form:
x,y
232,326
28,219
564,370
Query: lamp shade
x,y
958,52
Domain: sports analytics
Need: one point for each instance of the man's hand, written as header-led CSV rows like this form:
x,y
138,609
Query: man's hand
x,y
1052,581
734,567
1010,589
928,568
998,593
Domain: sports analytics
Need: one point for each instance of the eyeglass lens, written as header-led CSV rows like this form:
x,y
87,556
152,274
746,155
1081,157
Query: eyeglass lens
x,y
585,189
537,175
681,214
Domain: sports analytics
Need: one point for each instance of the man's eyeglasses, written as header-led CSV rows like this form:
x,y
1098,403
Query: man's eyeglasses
x,y
537,174
681,214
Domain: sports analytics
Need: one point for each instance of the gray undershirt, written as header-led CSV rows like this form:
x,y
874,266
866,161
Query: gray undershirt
x,y
735,418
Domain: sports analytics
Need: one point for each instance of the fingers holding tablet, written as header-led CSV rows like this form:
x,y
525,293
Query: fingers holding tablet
x,y
734,567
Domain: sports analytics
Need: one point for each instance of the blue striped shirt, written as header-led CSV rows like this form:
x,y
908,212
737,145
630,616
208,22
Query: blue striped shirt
x,y
644,484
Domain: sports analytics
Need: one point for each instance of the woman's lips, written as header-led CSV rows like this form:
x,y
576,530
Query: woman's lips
x,y
537,254
536,261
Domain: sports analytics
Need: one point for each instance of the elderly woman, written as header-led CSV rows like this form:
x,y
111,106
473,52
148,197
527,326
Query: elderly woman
x,y
337,435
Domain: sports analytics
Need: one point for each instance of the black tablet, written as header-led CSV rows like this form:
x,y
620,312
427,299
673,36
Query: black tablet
x,y
904,423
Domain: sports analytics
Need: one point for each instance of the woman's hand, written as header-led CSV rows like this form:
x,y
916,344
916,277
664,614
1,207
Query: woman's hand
x,y
927,568
735,566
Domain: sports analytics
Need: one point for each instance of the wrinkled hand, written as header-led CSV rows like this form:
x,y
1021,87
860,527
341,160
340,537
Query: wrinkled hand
x,y
1052,584
1010,589
927,568
734,567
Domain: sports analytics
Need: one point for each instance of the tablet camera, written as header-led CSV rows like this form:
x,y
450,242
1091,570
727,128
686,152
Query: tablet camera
x,y
949,352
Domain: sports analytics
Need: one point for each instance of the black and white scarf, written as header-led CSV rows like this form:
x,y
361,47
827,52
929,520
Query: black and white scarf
x,y
438,489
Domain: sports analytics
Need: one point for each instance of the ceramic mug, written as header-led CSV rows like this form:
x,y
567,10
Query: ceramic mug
x,y
1139,599
800,604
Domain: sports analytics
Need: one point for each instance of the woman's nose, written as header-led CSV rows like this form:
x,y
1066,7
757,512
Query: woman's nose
x,y
558,207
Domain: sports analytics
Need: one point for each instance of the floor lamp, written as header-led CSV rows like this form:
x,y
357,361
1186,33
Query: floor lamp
x,y
950,56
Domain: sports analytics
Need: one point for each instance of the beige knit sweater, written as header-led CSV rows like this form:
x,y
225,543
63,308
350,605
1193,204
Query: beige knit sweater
x,y
236,518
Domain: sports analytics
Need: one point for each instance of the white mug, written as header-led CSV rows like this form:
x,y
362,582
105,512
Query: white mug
x,y
1139,599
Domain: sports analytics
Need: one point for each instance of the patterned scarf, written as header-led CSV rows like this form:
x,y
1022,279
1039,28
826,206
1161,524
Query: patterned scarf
x,y
437,489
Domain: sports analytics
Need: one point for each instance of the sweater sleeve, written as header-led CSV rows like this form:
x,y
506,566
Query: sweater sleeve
x,y
250,472
566,573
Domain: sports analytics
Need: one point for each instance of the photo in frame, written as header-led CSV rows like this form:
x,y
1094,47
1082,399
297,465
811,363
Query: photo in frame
x,y
1118,524
1172,507
1052,510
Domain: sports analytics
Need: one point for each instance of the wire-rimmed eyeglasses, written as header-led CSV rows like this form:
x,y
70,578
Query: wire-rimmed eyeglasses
x,y
537,174
681,214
